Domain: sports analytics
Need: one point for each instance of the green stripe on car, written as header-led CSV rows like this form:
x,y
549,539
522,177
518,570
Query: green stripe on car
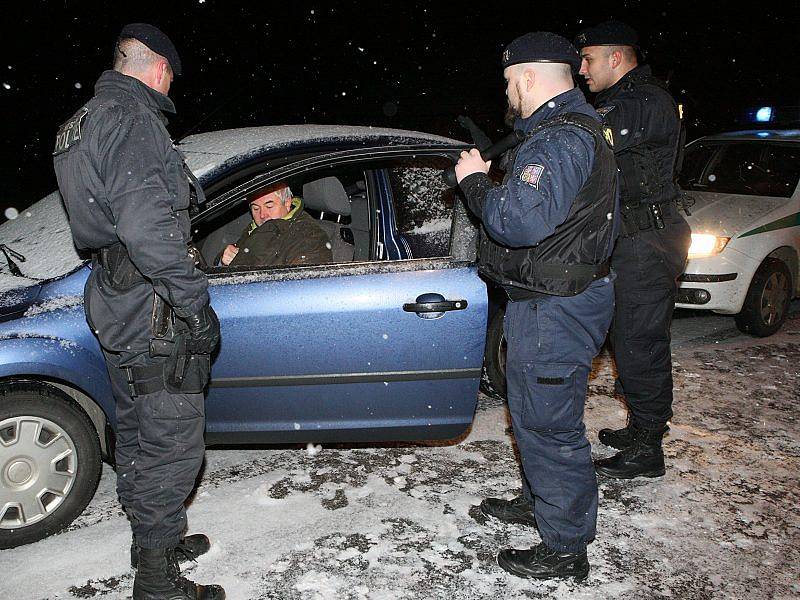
x,y
782,223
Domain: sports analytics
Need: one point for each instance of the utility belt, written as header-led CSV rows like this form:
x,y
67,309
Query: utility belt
x,y
179,372
645,216
554,272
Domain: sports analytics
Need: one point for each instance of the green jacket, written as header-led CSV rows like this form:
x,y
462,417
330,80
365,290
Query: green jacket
x,y
296,239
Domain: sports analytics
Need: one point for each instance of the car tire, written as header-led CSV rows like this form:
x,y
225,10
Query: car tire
x,y
50,462
767,302
493,379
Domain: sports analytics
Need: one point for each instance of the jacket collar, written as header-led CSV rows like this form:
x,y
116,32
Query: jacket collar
x,y
117,82
564,102
642,71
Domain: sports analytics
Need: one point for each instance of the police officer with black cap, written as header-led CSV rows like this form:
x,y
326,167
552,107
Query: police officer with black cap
x,y
127,192
654,240
547,236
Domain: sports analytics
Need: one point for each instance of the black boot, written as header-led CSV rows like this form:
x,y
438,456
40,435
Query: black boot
x,y
643,458
517,510
158,578
188,549
618,438
541,562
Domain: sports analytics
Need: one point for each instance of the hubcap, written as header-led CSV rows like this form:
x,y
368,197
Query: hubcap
x,y
774,298
38,466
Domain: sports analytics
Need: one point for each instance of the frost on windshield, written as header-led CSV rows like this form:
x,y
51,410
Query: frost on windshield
x,y
423,206
41,235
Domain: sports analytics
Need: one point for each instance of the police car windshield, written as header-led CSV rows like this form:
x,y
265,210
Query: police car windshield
x,y
41,234
748,167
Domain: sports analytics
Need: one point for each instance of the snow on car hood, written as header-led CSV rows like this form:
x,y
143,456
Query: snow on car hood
x,y
208,153
42,235
728,214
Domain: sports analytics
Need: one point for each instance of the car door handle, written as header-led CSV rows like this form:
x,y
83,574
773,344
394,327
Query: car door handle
x,y
434,303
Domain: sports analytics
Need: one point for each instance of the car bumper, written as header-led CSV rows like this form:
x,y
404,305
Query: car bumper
x,y
717,283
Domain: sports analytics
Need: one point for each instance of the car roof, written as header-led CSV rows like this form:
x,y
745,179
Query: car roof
x,y
207,154
755,135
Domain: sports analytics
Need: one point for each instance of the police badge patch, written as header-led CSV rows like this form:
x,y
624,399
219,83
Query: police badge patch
x,y
70,132
532,174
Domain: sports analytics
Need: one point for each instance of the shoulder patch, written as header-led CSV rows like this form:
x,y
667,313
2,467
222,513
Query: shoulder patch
x,y
69,133
609,135
532,174
605,110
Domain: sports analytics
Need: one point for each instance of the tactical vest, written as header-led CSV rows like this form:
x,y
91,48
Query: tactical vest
x,y
649,170
565,263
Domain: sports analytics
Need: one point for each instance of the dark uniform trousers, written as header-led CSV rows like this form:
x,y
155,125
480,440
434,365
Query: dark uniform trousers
x,y
647,265
159,451
552,341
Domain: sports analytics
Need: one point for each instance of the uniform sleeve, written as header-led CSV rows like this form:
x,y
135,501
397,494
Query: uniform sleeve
x,y
643,117
548,173
133,168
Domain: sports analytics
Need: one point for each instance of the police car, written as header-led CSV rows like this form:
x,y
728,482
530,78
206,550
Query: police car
x,y
743,205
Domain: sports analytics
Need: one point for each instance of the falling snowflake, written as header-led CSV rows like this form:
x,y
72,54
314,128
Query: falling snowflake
x,y
11,213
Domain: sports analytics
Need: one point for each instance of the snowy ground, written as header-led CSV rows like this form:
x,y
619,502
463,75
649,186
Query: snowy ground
x,y
400,522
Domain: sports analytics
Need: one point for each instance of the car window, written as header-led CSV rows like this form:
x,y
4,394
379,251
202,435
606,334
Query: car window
x,y
695,161
783,169
743,168
423,205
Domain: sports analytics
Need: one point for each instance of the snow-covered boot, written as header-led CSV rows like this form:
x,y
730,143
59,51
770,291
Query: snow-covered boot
x,y
643,458
158,578
188,549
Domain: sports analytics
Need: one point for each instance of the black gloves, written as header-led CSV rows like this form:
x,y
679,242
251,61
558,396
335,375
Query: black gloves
x,y
203,331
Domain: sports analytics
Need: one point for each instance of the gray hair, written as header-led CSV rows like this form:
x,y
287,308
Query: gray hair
x,y
132,56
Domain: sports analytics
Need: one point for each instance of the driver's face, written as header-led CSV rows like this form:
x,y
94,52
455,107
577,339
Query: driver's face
x,y
269,206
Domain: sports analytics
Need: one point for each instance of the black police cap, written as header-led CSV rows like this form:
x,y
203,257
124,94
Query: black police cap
x,y
156,40
608,33
541,46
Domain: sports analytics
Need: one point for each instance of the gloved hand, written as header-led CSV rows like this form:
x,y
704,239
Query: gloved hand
x,y
203,331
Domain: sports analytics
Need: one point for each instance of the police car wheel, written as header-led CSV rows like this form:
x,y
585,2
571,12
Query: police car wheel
x,y
767,302
49,462
493,381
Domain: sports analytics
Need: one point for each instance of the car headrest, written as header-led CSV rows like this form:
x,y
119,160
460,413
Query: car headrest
x,y
327,195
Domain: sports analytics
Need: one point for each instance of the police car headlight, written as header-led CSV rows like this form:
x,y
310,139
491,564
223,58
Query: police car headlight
x,y
705,244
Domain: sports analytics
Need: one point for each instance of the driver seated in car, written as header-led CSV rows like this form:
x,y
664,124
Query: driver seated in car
x,y
281,233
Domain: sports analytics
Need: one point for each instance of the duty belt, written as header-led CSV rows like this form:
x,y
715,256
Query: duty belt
x,y
644,217
564,271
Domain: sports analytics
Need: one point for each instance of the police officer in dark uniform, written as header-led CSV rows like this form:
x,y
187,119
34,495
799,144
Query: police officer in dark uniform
x,y
127,192
547,236
654,240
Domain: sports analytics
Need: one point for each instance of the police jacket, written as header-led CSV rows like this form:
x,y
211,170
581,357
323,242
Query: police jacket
x,y
550,225
293,240
645,123
124,183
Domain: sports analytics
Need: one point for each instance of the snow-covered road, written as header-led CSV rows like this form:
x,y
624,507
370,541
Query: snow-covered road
x,y
400,522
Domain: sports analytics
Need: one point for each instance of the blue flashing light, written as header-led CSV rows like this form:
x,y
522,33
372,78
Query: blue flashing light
x,y
763,134
764,114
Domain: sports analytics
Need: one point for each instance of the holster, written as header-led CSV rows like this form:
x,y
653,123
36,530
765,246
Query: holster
x,y
643,217
186,373
121,271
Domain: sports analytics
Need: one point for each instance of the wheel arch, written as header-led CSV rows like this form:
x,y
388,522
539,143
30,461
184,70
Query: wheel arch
x,y
788,255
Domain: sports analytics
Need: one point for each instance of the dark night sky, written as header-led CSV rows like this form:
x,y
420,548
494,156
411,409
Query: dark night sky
x,y
408,64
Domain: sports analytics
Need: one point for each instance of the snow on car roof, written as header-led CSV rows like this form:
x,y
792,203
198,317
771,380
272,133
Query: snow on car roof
x,y
208,153
757,134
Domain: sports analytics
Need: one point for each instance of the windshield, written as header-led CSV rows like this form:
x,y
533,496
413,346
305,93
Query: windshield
x,y
746,168
42,236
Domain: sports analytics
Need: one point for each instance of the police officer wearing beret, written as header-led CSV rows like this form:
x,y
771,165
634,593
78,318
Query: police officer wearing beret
x,y
654,241
547,236
127,192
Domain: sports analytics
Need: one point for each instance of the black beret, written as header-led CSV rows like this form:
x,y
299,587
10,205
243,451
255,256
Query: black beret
x,y
156,40
609,33
541,46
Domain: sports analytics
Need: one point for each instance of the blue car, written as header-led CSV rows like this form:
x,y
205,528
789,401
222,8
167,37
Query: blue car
x,y
387,343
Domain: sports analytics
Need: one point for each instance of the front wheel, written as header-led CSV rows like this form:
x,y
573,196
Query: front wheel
x,y
49,462
767,302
